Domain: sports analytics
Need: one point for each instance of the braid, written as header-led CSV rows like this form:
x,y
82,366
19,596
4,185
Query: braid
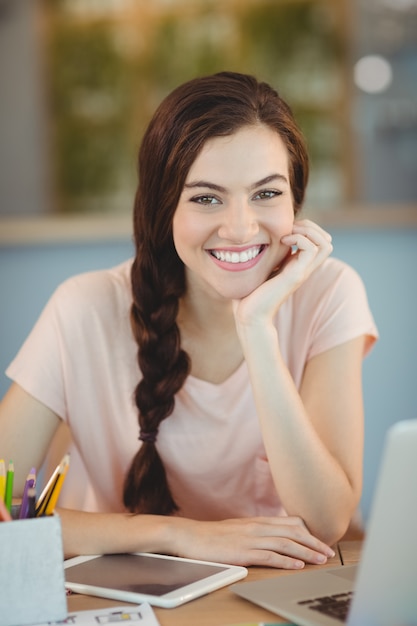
x,y
164,366
196,111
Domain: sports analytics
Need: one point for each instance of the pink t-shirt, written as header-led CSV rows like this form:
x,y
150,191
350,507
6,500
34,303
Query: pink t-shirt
x,y
80,361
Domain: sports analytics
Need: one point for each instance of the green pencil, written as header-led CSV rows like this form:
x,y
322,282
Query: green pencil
x,y
9,487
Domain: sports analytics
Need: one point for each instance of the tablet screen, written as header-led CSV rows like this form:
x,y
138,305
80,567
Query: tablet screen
x,y
139,574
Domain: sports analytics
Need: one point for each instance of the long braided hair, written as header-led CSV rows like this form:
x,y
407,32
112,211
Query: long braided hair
x,y
206,107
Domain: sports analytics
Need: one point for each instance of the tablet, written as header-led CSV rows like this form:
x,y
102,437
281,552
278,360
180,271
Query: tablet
x,y
164,581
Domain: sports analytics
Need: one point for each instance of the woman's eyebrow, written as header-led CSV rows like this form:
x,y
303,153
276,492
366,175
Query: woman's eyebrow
x,y
204,183
269,179
264,181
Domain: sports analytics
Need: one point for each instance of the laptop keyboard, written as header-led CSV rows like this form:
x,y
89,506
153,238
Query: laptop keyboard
x,y
336,606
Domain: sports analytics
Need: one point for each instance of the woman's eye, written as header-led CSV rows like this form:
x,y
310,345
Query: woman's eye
x,y
206,199
267,194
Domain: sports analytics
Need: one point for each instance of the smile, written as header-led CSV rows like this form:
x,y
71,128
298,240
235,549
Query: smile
x,y
237,257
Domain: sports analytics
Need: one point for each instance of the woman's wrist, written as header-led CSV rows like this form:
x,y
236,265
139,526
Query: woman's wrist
x,y
104,533
258,338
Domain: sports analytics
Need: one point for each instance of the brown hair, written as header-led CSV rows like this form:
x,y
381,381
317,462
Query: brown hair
x,y
194,112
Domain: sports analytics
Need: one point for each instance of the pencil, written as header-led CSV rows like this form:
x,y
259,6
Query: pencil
x,y
47,489
54,495
2,479
9,487
31,502
29,484
54,483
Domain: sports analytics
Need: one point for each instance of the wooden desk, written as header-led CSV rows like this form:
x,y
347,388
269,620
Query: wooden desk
x,y
222,607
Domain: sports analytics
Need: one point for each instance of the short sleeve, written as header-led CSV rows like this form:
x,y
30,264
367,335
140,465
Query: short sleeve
x,y
80,342
38,366
341,310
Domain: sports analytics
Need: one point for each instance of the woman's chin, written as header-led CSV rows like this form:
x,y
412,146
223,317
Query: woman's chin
x,y
238,293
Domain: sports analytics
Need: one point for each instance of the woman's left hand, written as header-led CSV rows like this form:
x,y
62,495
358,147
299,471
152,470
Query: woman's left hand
x,y
309,246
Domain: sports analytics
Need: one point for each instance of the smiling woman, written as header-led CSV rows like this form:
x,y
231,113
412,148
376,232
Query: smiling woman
x,y
231,347
236,206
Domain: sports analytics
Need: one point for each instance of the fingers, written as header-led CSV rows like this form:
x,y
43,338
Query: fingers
x,y
273,542
310,237
307,227
287,540
310,244
284,554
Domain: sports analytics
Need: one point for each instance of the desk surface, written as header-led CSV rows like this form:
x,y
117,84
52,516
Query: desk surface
x,y
222,607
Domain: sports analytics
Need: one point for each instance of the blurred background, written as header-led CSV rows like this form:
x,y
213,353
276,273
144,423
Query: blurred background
x,y
79,80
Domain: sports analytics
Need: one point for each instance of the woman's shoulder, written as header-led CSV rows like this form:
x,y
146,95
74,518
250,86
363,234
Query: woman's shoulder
x,y
333,274
333,267
334,289
328,309
93,286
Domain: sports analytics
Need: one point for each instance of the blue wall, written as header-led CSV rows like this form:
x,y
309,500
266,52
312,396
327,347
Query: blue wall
x,y
386,260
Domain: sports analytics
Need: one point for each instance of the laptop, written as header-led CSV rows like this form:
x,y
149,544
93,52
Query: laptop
x,y
381,590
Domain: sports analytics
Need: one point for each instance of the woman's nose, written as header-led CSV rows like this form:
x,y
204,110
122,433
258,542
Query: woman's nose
x,y
239,223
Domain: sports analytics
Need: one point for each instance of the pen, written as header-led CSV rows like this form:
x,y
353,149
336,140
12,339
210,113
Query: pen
x,y
29,484
2,479
9,486
54,484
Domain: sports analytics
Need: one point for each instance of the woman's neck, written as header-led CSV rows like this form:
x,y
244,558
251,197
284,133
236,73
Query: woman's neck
x,y
206,315
208,335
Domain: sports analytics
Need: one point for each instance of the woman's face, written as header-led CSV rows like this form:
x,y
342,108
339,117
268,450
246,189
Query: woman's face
x,y
235,206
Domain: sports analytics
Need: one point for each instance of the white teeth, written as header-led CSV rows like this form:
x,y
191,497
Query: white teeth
x,y
237,257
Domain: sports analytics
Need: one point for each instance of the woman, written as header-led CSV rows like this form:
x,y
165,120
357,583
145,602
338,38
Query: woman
x,y
242,358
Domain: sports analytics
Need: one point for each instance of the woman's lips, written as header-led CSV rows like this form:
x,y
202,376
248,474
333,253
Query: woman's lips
x,y
236,260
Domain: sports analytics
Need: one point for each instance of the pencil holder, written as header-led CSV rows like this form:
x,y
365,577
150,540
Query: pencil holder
x,y
32,587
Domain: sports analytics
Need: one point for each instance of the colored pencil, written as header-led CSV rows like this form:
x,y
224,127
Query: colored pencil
x,y
49,496
51,504
9,486
2,479
31,502
29,484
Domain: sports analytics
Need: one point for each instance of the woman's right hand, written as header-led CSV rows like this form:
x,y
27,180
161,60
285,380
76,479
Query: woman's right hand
x,y
313,245
281,542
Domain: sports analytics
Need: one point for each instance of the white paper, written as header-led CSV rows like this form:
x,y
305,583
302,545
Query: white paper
x,y
140,615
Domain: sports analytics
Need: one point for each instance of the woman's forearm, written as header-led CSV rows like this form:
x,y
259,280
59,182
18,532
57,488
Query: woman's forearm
x,y
276,542
103,533
309,478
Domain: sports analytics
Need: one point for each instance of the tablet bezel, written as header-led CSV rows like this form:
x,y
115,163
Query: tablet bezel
x,y
196,589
